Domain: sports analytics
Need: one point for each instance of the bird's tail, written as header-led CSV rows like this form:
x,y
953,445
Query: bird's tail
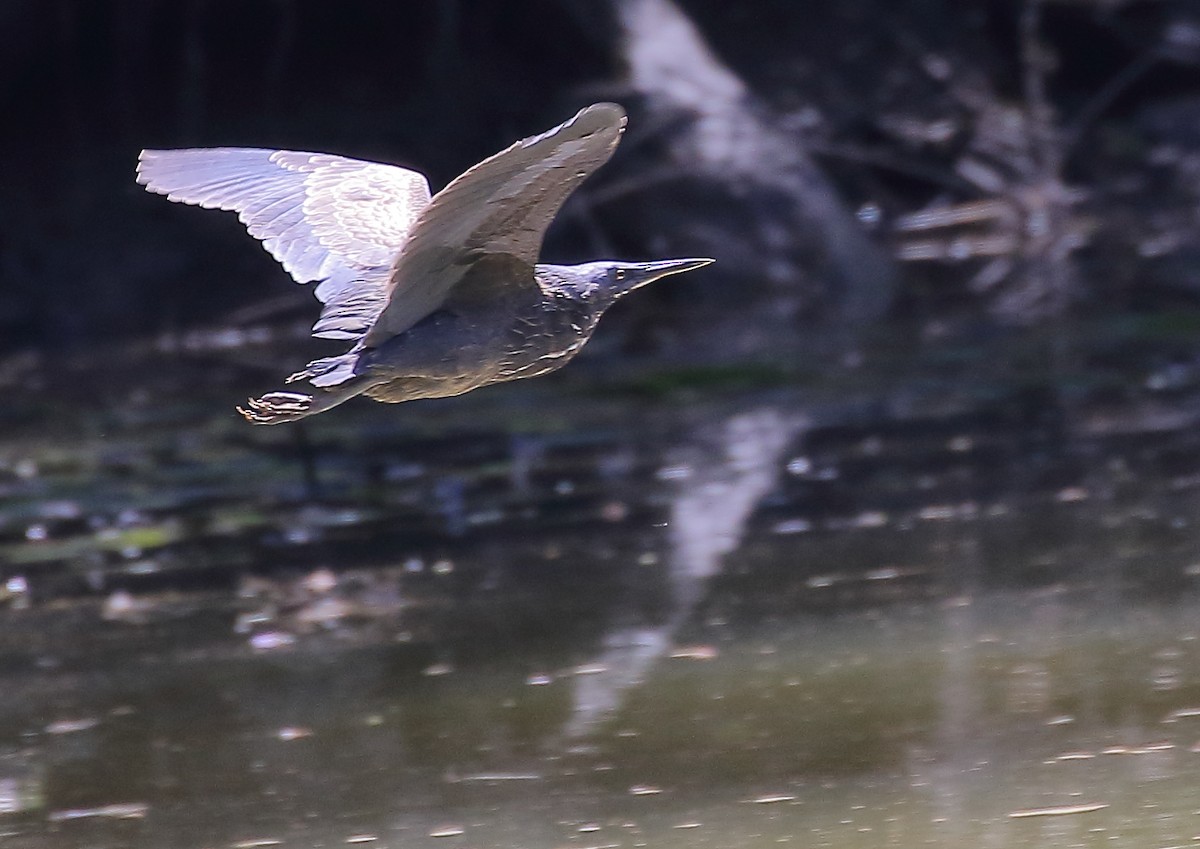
x,y
334,380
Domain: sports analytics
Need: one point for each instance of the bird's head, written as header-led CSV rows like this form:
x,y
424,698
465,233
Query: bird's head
x,y
604,282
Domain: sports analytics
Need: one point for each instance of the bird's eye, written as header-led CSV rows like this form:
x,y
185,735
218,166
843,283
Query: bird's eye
x,y
620,274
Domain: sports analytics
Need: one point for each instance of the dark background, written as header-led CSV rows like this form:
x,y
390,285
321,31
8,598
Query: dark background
x,y
86,255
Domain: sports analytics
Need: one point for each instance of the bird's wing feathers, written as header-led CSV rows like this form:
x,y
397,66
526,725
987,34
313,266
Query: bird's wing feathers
x,y
324,217
502,205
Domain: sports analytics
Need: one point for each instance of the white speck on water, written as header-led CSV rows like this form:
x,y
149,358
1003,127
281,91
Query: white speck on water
x,y
292,732
485,517
674,473
695,652
447,831
120,811
320,581
1063,810
870,519
590,669
71,726
1072,494
792,526
869,214
960,444
799,466
269,640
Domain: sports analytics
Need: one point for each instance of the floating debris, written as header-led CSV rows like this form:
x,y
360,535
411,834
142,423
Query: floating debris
x,y
71,726
870,519
125,811
498,776
447,831
361,838
254,844
539,680
1060,811
695,652
437,669
590,669
614,511
674,473
123,606
1073,756
16,592
1148,749
644,790
320,581
1072,494
272,640
1182,713
944,512
799,466
291,732
773,798
792,526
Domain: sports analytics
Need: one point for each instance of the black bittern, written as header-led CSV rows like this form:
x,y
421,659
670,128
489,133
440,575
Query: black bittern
x,y
441,295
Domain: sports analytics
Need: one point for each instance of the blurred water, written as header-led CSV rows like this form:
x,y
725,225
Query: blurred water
x,y
952,612
1008,720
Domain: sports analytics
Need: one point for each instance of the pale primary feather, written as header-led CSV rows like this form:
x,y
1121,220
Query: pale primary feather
x,y
341,221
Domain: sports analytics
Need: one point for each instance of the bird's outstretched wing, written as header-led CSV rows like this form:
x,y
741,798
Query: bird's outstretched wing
x,y
324,217
503,205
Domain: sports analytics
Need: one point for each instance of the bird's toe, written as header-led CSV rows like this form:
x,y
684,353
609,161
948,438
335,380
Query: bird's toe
x,y
276,408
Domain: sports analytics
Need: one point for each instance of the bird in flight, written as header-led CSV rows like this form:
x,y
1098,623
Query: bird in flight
x,y
439,295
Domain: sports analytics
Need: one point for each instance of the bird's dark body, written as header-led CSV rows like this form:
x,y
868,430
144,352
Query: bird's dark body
x,y
505,330
441,294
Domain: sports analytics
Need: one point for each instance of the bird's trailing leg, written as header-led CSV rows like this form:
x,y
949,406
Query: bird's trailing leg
x,y
280,407
329,371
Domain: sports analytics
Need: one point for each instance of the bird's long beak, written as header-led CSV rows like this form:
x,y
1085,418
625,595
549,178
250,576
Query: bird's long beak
x,y
641,273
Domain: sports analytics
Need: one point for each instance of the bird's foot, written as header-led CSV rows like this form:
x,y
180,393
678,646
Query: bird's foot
x,y
277,408
327,371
